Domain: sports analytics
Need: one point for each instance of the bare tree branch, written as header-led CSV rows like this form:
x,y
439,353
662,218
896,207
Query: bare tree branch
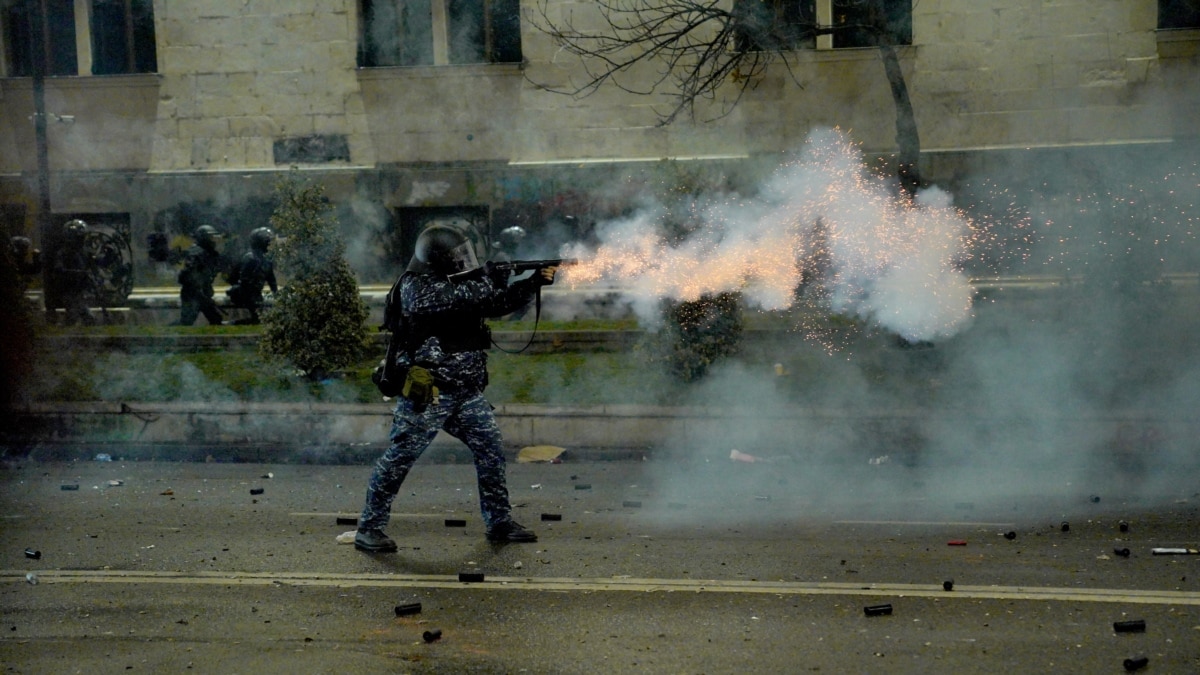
x,y
692,46
690,51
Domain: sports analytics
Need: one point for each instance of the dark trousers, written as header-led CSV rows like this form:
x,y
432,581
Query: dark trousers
x,y
192,305
467,417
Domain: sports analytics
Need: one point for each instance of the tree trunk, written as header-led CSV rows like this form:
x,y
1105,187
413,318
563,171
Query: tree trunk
x,y
907,138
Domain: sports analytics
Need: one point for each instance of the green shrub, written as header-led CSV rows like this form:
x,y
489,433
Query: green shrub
x,y
699,333
318,321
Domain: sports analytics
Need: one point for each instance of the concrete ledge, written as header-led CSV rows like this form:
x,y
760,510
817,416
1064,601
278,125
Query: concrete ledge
x,y
341,433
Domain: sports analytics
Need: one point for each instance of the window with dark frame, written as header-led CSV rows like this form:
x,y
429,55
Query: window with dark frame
x,y
121,36
1178,14
769,25
57,36
871,23
402,32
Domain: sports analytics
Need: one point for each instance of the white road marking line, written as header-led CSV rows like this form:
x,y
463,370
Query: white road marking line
x,y
1112,595
356,514
954,523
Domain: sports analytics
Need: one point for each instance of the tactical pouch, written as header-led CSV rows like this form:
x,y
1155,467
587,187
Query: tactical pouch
x,y
419,387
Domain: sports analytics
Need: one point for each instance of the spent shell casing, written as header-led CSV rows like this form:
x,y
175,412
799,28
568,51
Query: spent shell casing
x,y
432,635
877,610
1136,663
1134,626
410,608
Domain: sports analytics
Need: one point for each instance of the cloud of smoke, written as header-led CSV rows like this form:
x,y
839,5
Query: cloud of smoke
x,y
882,258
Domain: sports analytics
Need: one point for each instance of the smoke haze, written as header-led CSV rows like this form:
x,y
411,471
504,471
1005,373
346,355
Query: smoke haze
x,y
1066,369
880,257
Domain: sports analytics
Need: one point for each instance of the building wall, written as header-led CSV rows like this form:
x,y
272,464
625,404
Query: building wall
x,y
237,79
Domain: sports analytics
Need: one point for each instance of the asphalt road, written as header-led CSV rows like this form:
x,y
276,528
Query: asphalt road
x,y
710,567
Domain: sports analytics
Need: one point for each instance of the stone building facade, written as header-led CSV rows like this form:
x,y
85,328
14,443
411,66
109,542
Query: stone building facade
x,y
240,93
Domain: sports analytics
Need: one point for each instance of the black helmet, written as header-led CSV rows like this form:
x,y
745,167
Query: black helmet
x,y
206,236
75,229
510,238
260,239
443,250
20,247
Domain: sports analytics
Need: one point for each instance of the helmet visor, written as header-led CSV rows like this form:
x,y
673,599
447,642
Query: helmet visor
x,y
463,257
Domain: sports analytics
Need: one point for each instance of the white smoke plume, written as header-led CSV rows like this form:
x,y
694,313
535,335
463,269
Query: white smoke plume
x,y
879,256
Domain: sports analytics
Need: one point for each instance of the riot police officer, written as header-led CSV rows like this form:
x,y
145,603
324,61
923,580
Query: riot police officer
x,y
436,314
71,271
201,264
254,270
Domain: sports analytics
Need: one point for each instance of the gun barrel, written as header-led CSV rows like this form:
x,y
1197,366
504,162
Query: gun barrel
x,y
526,265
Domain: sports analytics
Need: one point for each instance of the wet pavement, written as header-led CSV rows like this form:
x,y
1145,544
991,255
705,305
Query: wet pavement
x,y
656,566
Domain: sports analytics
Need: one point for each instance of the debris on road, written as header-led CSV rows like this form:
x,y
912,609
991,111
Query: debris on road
x,y
1123,552
1134,626
115,483
32,554
455,522
346,537
551,516
957,542
1123,526
1136,663
1174,551
1010,535
257,491
69,486
739,456
347,520
948,585
31,578
540,453
104,457
1066,527
167,493
432,635
470,577
877,610
583,486
410,608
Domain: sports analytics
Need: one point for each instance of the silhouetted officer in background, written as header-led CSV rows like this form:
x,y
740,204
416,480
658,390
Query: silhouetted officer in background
x,y
255,269
72,273
201,265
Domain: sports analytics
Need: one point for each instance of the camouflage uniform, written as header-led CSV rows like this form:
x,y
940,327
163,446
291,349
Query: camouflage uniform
x,y
201,265
437,312
249,276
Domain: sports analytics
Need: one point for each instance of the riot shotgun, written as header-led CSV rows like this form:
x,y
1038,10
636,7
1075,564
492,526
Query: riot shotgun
x,y
491,268
518,266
